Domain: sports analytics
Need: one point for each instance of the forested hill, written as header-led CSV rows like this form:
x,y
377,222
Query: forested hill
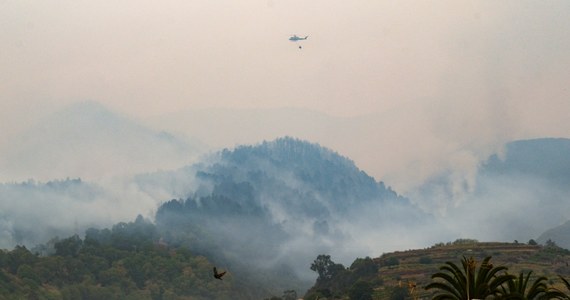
x,y
284,179
262,212
301,165
275,206
128,261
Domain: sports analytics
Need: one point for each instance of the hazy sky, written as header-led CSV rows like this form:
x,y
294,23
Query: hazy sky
x,y
443,79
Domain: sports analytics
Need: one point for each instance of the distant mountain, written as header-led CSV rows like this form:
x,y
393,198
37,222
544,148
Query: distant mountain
x,y
559,235
279,204
546,159
513,195
353,136
325,177
533,178
553,166
89,141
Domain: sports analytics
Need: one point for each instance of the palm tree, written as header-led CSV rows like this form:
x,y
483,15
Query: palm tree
x,y
518,289
466,284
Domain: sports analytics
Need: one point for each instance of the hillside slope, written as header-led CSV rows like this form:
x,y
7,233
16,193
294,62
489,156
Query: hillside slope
x,y
395,271
126,261
280,204
559,234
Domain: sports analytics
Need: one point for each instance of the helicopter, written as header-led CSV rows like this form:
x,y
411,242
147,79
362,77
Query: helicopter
x,y
296,38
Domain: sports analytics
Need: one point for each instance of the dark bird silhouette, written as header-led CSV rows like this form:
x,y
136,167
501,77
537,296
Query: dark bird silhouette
x,y
218,275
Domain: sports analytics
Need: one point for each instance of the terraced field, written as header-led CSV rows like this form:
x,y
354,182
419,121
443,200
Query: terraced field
x,y
406,268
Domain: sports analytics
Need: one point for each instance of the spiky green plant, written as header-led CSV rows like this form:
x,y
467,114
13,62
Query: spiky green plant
x,y
519,289
567,284
466,283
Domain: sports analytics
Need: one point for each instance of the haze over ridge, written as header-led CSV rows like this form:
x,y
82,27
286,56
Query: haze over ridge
x,y
442,85
126,197
417,94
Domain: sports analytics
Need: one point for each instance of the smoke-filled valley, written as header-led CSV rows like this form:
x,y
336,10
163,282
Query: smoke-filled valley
x,y
266,210
142,143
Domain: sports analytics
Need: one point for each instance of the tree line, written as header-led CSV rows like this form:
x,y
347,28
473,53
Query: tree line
x,y
128,261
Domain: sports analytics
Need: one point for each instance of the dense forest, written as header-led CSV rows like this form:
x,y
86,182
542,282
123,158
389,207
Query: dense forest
x,y
128,261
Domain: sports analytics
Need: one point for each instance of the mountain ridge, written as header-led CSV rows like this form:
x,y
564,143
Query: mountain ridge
x,y
282,202
88,140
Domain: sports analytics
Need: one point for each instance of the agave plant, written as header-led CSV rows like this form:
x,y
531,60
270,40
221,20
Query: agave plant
x,y
466,283
518,288
567,284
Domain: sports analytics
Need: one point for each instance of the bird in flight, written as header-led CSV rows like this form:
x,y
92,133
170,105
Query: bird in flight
x,y
218,275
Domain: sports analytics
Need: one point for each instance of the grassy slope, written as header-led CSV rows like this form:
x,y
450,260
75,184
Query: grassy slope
x,y
517,257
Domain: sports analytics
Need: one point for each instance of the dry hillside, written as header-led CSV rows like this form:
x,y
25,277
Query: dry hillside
x,y
404,268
